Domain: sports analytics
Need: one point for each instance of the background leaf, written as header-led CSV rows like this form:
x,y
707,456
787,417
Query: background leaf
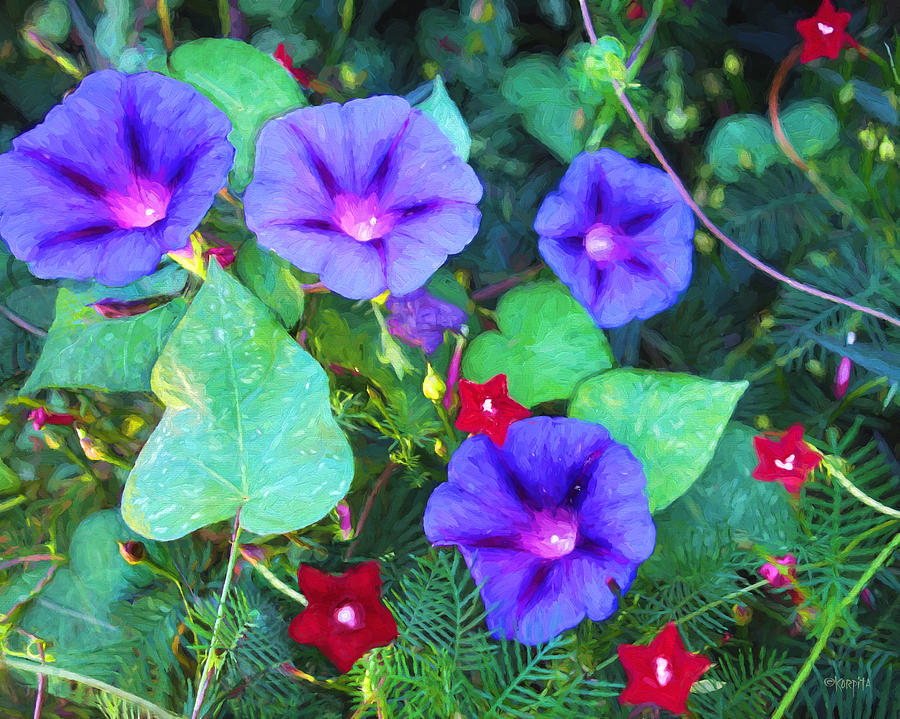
x,y
247,424
671,422
546,345
271,279
246,84
811,126
441,108
741,143
128,347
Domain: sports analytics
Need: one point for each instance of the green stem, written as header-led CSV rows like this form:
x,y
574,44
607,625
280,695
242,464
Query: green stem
x,y
209,664
642,49
858,493
727,597
225,17
276,583
830,625
52,671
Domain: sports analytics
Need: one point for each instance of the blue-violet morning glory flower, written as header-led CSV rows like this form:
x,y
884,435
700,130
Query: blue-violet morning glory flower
x,y
369,195
618,234
544,523
116,176
419,319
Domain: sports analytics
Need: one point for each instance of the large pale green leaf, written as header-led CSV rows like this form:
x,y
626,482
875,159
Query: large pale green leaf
x,y
247,424
85,350
671,422
246,84
271,279
546,345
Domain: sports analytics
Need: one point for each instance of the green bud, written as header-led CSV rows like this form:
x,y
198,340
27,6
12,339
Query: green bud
x,y
433,386
886,150
868,139
733,64
846,94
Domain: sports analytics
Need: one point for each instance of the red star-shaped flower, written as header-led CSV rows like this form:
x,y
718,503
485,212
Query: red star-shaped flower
x,y
789,460
304,77
345,617
488,409
824,33
661,673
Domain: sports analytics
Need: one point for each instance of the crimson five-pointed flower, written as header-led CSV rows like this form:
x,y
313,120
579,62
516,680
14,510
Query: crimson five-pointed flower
x,y
789,460
488,409
824,34
345,617
661,673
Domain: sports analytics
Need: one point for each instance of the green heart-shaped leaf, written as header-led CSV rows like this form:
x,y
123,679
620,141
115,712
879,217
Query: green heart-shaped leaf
x,y
546,345
671,422
246,84
85,350
248,424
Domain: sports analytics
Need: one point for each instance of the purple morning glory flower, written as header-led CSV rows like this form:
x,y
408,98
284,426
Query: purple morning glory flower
x,y
618,234
419,319
116,176
369,195
544,523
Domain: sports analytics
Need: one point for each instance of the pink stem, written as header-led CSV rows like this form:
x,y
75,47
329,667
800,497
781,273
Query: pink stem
x,y
31,558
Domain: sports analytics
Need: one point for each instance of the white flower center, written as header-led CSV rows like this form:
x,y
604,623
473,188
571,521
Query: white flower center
x,y
488,406
346,615
825,29
787,464
664,671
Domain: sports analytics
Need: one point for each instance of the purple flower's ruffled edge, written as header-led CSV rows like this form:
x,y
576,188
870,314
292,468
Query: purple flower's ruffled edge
x,y
52,214
481,486
405,159
607,187
550,597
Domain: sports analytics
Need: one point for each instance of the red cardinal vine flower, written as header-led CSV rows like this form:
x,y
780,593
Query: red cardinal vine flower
x,y
39,417
488,409
661,673
345,617
789,460
824,34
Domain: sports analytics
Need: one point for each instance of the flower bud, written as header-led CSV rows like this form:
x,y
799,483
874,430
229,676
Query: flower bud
x,y
440,449
704,243
867,138
733,64
433,386
132,552
846,94
886,150
742,614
